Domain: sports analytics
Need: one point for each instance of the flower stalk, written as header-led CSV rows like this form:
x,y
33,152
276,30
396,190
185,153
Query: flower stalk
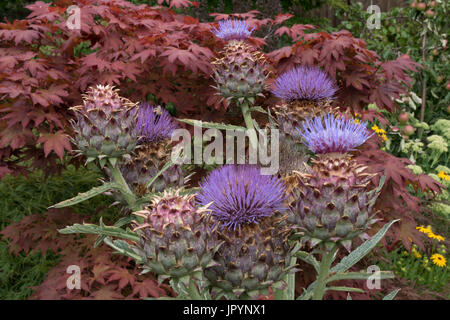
x,y
124,189
246,113
325,265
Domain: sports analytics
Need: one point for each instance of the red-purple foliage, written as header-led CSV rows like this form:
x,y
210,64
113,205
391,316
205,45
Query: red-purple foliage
x,y
103,274
45,66
395,200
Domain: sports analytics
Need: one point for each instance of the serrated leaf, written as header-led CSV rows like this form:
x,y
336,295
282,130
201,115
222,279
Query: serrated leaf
x,y
356,255
121,222
360,276
124,248
391,295
308,292
166,166
349,289
258,109
212,125
86,195
308,258
101,229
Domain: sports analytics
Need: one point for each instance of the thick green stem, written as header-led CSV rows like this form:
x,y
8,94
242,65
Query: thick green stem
x,y
249,124
291,282
125,190
324,270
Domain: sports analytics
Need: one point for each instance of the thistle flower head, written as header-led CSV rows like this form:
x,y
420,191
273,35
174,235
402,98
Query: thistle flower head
x,y
330,134
241,195
304,83
233,29
154,123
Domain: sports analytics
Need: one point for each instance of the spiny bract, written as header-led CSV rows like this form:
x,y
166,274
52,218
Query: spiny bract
x,y
334,200
105,125
176,237
240,71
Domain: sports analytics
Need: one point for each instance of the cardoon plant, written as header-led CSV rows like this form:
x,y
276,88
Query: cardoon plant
x,y
335,196
105,130
105,125
177,240
155,126
306,92
240,71
248,209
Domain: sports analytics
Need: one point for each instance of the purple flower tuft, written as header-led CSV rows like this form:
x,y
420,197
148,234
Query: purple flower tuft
x,y
330,134
304,83
154,123
241,195
231,29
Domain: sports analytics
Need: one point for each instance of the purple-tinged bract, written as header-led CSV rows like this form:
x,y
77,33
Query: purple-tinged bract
x,y
154,123
304,83
232,29
330,134
241,195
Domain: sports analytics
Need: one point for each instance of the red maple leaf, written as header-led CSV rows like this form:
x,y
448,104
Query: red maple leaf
x,y
57,142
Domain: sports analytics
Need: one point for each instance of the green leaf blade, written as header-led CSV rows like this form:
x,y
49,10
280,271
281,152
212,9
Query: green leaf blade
x,y
356,255
86,195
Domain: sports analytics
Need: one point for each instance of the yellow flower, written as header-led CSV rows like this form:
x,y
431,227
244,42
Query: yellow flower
x,y
422,229
443,175
439,260
415,252
435,236
375,128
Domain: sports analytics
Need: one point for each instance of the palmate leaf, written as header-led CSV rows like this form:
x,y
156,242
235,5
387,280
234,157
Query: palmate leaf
x,y
356,255
86,195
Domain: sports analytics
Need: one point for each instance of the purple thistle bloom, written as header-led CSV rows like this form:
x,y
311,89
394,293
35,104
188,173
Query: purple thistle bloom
x,y
241,195
304,83
330,134
154,123
231,29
